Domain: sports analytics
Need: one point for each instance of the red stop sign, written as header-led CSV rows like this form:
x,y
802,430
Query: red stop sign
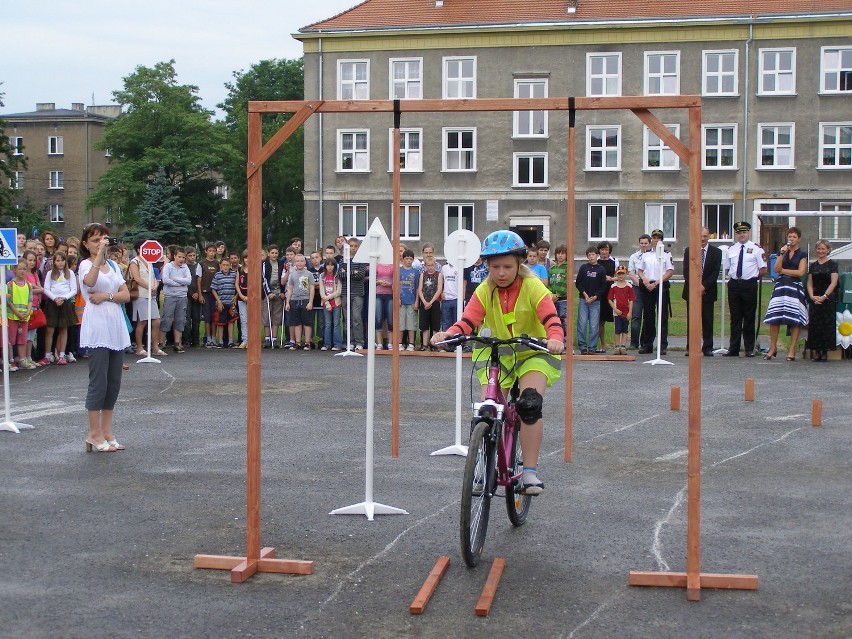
x,y
151,251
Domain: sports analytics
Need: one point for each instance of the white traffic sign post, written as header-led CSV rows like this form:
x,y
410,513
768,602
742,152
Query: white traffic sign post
x,y
461,248
8,244
347,259
660,286
375,249
151,251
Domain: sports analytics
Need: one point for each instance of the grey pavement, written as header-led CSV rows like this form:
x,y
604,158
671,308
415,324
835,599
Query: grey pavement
x,y
101,545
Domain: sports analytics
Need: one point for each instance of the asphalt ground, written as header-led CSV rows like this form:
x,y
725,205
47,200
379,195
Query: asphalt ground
x,y
102,545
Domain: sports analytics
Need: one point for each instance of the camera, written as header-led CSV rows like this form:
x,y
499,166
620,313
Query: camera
x,y
113,241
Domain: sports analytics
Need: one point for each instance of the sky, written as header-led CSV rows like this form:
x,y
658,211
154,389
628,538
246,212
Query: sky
x,y
63,52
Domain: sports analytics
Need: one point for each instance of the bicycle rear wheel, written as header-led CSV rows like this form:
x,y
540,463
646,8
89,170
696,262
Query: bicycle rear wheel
x,y
476,493
517,505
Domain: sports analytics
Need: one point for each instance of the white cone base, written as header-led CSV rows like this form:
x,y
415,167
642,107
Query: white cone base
x,y
655,362
368,508
348,354
455,449
148,360
15,427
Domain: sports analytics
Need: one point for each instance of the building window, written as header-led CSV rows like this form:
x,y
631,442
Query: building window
x,y
658,156
57,181
603,222
603,74
409,221
530,124
603,148
777,73
107,153
55,145
836,228
719,220
775,146
835,145
662,73
661,216
720,73
458,217
406,80
459,150
459,78
353,79
836,72
353,151
16,181
222,191
353,220
410,150
530,169
16,143
720,146
57,213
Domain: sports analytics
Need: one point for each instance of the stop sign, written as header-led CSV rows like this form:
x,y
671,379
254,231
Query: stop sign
x,y
151,251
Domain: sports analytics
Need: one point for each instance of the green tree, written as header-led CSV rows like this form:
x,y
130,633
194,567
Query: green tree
x,y
163,126
283,173
9,163
161,215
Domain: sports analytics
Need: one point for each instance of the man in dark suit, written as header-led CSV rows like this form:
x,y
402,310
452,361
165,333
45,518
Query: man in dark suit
x,y
711,258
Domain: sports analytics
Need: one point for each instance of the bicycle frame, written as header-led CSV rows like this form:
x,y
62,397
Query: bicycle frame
x,y
503,416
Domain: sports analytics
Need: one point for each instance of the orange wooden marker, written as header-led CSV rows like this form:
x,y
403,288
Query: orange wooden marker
x,y
490,588
816,413
675,398
749,389
427,590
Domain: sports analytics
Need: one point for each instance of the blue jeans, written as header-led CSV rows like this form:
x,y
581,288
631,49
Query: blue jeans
x,y
588,318
332,327
384,304
562,312
449,311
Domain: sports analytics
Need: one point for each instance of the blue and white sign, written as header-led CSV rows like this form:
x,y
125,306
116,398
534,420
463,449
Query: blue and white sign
x,y
8,246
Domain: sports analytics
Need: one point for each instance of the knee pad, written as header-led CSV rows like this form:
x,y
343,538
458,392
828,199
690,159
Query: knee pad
x,y
529,406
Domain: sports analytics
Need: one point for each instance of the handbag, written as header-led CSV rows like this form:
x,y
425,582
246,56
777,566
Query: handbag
x,y
132,285
37,319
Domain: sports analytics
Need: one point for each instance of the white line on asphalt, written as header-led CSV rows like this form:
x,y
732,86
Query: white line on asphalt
x,y
171,383
64,408
618,430
591,618
657,546
672,456
774,441
783,418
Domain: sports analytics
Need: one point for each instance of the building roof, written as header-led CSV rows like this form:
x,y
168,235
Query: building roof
x,y
382,14
90,113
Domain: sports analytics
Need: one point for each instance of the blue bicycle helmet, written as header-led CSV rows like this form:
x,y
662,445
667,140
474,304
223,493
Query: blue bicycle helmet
x,y
503,243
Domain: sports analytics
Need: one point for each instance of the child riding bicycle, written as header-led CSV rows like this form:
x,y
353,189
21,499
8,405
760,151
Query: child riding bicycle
x,y
511,302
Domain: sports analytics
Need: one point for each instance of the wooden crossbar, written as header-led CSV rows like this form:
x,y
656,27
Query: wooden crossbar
x,y
428,589
490,588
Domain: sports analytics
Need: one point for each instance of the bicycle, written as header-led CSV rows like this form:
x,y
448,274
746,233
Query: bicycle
x,y
494,456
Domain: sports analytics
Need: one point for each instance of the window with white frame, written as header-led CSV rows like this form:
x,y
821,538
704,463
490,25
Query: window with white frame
x,y
459,78
530,124
458,217
720,73
353,79
835,145
409,221
603,222
353,220
836,70
836,228
16,143
661,216
720,146
662,72
16,181
57,181
55,145
777,72
603,74
353,150
775,146
719,220
603,148
107,153
530,169
459,150
222,191
658,156
57,213
410,150
406,79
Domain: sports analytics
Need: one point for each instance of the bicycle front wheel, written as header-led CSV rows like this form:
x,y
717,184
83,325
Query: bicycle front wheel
x,y
476,493
517,505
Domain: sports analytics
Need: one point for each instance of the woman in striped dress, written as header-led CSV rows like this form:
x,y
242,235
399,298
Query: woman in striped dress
x,y
788,305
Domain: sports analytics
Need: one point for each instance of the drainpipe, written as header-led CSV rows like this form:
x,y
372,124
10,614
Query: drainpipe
x,y
319,147
86,189
746,89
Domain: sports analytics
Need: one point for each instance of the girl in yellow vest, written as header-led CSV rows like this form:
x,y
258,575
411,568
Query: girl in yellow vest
x,y
19,301
513,301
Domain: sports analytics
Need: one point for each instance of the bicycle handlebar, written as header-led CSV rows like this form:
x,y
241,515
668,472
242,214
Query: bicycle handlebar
x,y
536,343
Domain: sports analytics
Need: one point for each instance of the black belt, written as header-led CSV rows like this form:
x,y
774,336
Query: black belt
x,y
734,279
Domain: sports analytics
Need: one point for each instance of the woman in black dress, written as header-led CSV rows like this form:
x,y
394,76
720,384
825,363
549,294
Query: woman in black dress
x,y
823,280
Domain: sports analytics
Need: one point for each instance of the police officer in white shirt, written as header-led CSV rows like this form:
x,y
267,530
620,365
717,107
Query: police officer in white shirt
x,y
633,265
745,264
650,278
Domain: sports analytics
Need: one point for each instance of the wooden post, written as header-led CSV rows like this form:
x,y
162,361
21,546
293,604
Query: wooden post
x,y
428,589
816,413
749,389
674,403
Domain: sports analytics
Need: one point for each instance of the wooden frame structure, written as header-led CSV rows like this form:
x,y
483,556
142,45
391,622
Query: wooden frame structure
x,y
257,560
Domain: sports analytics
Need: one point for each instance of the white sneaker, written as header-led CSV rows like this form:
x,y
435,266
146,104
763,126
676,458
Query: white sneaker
x,y
410,348
69,357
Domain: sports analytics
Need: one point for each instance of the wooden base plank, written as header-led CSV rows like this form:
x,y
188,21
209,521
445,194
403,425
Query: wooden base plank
x,y
427,590
605,358
706,580
490,588
286,566
241,568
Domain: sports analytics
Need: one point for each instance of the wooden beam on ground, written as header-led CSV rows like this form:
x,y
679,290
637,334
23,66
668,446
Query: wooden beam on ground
x,y
428,589
490,588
